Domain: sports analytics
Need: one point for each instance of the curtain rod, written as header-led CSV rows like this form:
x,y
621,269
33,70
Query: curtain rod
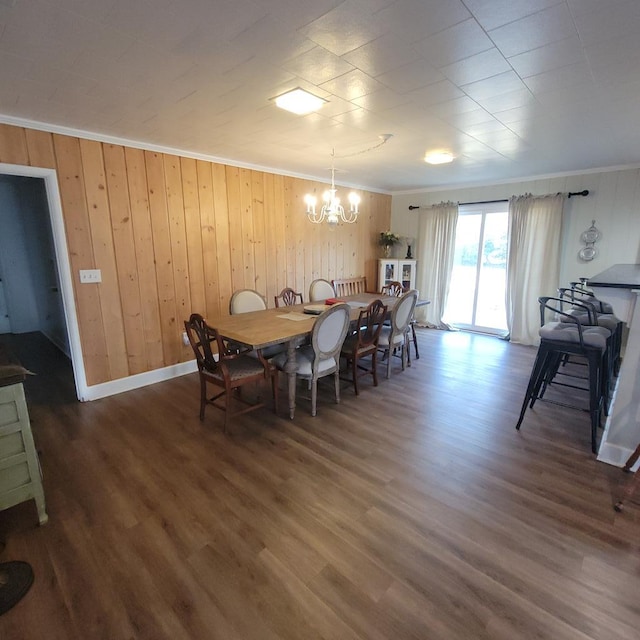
x,y
572,193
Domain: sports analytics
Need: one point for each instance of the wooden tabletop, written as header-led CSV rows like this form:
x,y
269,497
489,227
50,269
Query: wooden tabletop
x,y
261,329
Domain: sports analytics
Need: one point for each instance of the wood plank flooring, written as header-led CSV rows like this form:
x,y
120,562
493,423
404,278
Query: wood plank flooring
x,y
414,511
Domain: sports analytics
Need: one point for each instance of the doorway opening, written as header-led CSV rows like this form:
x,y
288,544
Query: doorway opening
x,y
477,291
37,292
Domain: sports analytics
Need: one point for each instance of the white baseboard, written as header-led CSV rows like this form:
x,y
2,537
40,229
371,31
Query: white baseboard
x,y
121,385
615,455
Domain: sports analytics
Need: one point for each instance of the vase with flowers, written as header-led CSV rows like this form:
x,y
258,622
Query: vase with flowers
x,y
386,241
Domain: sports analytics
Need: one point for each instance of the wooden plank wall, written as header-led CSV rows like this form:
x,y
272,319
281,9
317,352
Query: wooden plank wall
x,y
174,235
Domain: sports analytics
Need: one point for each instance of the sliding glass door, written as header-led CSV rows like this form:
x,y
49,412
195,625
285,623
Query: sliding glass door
x,y
476,299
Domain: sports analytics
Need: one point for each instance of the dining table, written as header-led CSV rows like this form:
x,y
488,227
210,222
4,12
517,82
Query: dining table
x,y
286,325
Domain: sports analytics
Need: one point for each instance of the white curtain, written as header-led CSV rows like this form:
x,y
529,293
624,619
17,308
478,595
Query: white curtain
x,y
533,263
436,242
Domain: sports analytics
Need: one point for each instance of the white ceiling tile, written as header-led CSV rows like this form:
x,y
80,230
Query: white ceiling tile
x,y
548,57
612,21
383,54
452,107
496,85
352,85
467,119
494,13
318,66
461,41
410,76
342,29
534,31
443,91
578,73
415,19
482,65
380,100
508,100
200,76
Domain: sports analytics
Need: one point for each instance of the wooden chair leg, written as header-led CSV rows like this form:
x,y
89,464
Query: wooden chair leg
x,y
203,397
354,368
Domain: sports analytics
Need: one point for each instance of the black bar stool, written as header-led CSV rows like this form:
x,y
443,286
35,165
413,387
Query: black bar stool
x,y
566,336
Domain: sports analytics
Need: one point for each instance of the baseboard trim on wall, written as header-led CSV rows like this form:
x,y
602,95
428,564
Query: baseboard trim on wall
x,y
615,455
121,385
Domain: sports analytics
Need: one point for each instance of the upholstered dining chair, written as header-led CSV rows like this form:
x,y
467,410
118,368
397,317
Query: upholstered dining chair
x,y
396,289
288,297
229,372
322,357
245,300
395,336
320,290
364,343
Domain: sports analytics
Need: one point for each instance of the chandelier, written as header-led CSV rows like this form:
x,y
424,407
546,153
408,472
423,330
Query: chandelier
x,y
332,211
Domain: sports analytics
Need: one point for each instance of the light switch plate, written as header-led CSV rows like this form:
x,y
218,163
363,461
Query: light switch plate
x,y
90,276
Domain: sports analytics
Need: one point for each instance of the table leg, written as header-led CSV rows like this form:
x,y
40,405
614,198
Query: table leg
x,y
290,367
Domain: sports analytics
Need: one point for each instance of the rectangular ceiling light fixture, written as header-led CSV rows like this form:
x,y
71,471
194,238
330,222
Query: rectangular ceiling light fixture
x,y
299,101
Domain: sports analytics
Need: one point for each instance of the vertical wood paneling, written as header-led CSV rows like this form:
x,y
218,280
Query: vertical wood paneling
x,y
125,250
170,325
290,255
222,217
298,227
270,238
145,256
259,240
236,249
171,234
177,233
208,230
193,231
13,145
104,255
280,224
80,246
246,218
40,149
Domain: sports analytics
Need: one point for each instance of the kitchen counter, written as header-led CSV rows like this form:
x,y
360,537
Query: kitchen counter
x,y
620,286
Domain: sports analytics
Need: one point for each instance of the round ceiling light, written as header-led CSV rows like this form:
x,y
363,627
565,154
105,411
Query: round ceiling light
x,y
438,157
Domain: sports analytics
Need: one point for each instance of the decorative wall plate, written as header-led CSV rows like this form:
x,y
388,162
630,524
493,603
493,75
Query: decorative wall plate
x,y
591,235
587,253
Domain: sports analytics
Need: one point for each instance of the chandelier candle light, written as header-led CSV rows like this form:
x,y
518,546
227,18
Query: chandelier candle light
x,y
332,211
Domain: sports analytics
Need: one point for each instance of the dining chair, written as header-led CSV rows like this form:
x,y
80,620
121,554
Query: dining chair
x,y
245,300
393,289
229,371
322,357
396,289
320,290
349,286
364,343
395,336
288,297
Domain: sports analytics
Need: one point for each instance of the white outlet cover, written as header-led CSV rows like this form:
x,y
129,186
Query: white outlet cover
x,y
90,276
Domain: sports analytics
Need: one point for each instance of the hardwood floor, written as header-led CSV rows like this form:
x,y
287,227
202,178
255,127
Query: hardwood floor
x,y
414,511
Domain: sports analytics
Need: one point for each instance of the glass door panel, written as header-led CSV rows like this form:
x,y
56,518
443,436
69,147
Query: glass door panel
x,y
478,283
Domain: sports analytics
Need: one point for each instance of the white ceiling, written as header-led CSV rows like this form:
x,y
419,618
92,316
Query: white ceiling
x,y
514,88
